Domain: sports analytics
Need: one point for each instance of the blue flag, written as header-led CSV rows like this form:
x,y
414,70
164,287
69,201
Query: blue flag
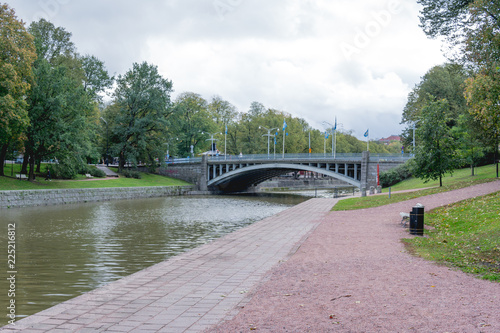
x,y
326,135
226,129
366,133
334,128
284,124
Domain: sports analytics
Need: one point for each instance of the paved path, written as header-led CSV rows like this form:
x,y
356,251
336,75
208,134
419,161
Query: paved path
x,y
353,274
189,292
107,171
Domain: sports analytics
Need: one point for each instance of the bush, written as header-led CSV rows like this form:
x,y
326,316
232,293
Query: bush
x,y
132,174
62,171
396,175
95,172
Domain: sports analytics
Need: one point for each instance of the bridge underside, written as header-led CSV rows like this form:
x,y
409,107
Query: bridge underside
x,y
238,179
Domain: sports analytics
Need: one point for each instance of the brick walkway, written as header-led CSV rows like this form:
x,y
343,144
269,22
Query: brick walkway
x,y
189,292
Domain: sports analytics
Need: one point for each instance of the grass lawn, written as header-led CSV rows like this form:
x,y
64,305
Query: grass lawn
x,y
460,178
466,236
11,183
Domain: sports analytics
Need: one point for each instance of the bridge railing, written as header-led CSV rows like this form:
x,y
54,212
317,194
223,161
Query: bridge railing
x,y
327,157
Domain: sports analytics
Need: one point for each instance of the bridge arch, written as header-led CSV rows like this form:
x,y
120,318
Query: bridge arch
x,y
244,177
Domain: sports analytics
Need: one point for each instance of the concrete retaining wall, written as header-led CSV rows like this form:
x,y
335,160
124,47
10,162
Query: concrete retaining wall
x,y
11,199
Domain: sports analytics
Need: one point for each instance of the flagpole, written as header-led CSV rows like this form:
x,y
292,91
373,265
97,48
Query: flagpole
x,y
225,144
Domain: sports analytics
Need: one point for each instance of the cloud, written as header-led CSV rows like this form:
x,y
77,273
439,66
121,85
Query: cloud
x,y
315,59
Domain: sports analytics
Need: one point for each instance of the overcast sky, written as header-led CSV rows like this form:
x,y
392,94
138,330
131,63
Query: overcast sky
x,y
356,60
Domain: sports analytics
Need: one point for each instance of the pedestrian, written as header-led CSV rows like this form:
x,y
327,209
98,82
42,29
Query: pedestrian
x,y
48,175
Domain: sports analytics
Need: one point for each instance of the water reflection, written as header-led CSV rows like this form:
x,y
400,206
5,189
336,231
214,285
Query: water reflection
x,y
64,251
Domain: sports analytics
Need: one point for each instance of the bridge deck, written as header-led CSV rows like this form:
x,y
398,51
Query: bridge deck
x,y
192,291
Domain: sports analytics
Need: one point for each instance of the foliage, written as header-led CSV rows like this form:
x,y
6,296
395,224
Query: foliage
x,y
139,118
17,53
465,235
396,175
440,82
190,120
131,174
436,154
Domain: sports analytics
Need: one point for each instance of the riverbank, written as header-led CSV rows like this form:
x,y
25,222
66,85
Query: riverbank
x,y
30,198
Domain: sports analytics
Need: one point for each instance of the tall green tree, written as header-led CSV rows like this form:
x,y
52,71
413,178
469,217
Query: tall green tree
x,y
441,82
483,98
191,121
142,102
17,54
436,153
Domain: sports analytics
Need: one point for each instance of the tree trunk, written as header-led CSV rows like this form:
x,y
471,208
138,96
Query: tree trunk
x,y
31,175
24,168
3,154
38,165
440,181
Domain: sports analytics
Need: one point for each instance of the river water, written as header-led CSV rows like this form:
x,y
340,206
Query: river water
x,y
64,251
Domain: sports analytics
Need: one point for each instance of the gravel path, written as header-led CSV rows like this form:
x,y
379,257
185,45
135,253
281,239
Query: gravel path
x,y
353,274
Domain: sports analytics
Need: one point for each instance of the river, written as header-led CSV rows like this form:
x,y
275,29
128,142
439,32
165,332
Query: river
x,y
64,251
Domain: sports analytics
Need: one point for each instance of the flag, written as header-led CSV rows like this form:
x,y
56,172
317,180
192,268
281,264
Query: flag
x,y
284,124
326,135
335,127
226,130
366,133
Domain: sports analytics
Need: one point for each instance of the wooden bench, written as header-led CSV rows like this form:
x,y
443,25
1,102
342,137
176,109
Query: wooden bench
x,y
405,217
21,176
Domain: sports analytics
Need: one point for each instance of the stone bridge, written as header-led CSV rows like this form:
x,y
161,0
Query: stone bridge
x,y
238,174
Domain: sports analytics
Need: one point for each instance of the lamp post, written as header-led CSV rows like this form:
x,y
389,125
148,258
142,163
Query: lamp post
x,y
268,136
334,136
211,139
107,138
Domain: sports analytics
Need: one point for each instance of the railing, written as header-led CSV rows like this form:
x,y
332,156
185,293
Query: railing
x,y
280,157
316,157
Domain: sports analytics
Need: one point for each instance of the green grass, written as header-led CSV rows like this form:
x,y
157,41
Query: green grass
x,y
11,183
460,179
466,235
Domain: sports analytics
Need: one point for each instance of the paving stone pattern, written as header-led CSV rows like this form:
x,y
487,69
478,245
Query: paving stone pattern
x,y
190,292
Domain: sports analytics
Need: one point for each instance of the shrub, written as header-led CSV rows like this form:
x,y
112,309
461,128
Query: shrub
x,y
396,175
132,174
95,172
62,171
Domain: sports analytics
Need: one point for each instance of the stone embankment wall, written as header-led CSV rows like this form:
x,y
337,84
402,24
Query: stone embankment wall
x,y
11,199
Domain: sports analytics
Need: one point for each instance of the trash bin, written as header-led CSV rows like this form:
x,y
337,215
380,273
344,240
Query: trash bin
x,y
417,220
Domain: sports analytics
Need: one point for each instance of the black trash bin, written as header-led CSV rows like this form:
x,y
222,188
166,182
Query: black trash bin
x,y
417,220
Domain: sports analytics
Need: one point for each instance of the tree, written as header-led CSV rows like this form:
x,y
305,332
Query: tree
x,y
483,96
142,102
435,154
17,54
470,27
441,82
95,76
190,120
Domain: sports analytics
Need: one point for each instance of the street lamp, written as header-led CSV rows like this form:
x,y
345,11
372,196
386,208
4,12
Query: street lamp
x,y
107,138
268,136
334,136
211,139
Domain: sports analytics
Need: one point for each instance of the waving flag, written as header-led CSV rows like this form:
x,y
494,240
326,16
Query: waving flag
x,y
335,127
226,130
284,124
326,135
366,133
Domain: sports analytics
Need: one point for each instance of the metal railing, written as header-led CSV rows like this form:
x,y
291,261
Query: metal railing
x,y
306,156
